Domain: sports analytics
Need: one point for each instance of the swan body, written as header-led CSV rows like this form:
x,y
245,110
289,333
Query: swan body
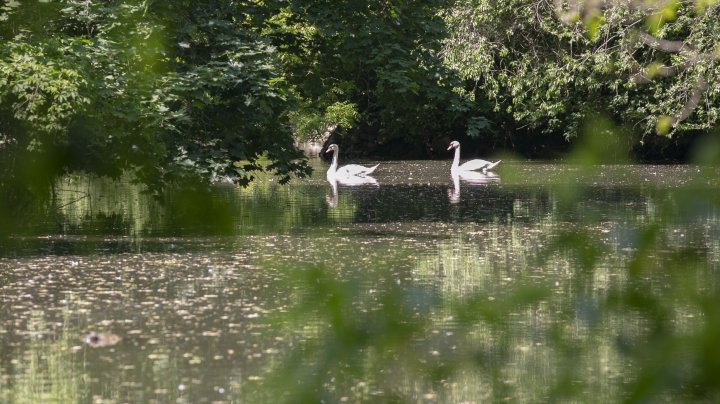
x,y
471,165
347,171
475,177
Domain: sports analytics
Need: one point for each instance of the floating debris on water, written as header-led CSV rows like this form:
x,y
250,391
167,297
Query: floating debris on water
x,y
101,339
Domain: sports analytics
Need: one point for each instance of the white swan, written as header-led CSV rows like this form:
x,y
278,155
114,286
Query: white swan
x,y
347,171
471,165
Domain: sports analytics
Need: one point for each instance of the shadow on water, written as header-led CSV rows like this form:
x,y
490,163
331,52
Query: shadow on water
x,y
543,283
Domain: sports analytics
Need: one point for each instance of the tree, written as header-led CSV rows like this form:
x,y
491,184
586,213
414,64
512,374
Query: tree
x,y
551,66
371,70
168,92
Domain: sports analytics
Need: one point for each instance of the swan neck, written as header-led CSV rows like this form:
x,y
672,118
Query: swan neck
x,y
456,159
333,165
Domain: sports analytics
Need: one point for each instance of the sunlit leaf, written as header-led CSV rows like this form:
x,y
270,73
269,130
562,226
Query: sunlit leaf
x,y
664,125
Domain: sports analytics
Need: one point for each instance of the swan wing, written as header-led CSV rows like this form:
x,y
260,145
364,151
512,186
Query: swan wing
x,y
354,170
474,177
371,169
491,166
478,164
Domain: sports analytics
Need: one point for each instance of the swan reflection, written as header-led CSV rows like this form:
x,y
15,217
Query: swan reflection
x,y
332,200
470,178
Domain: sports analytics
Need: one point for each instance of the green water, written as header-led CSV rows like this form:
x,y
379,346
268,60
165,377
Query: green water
x,y
543,283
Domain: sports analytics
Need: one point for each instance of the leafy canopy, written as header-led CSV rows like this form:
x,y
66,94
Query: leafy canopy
x,y
169,92
552,65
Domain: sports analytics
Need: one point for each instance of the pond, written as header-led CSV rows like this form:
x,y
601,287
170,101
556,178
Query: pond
x,y
542,282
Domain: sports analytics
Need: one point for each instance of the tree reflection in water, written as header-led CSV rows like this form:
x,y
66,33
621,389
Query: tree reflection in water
x,y
524,289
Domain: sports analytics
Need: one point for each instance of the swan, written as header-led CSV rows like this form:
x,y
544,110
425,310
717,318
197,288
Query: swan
x,y
346,171
471,165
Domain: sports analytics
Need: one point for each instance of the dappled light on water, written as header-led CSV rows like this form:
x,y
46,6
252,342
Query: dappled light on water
x,y
545,282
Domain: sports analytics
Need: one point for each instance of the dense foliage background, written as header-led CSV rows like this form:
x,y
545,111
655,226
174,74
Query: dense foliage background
x,y
178,93
165,91
548,67
221,89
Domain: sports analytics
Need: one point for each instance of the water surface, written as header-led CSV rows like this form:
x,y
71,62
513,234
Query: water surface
x,y
539,283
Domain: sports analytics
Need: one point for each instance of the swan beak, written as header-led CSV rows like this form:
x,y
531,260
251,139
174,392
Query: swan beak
x,y
450,147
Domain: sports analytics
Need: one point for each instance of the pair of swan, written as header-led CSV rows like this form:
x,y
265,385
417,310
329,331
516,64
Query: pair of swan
x,y
356,171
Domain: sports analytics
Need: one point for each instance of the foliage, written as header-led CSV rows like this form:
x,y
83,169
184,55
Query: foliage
x,y
308,123
179,91
169,92
551,70
370,69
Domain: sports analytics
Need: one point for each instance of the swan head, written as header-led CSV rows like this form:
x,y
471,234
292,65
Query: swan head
x,y
332,148
454,145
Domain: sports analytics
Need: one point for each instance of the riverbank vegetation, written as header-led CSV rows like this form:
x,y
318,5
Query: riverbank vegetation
x,y
559,282
173,92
